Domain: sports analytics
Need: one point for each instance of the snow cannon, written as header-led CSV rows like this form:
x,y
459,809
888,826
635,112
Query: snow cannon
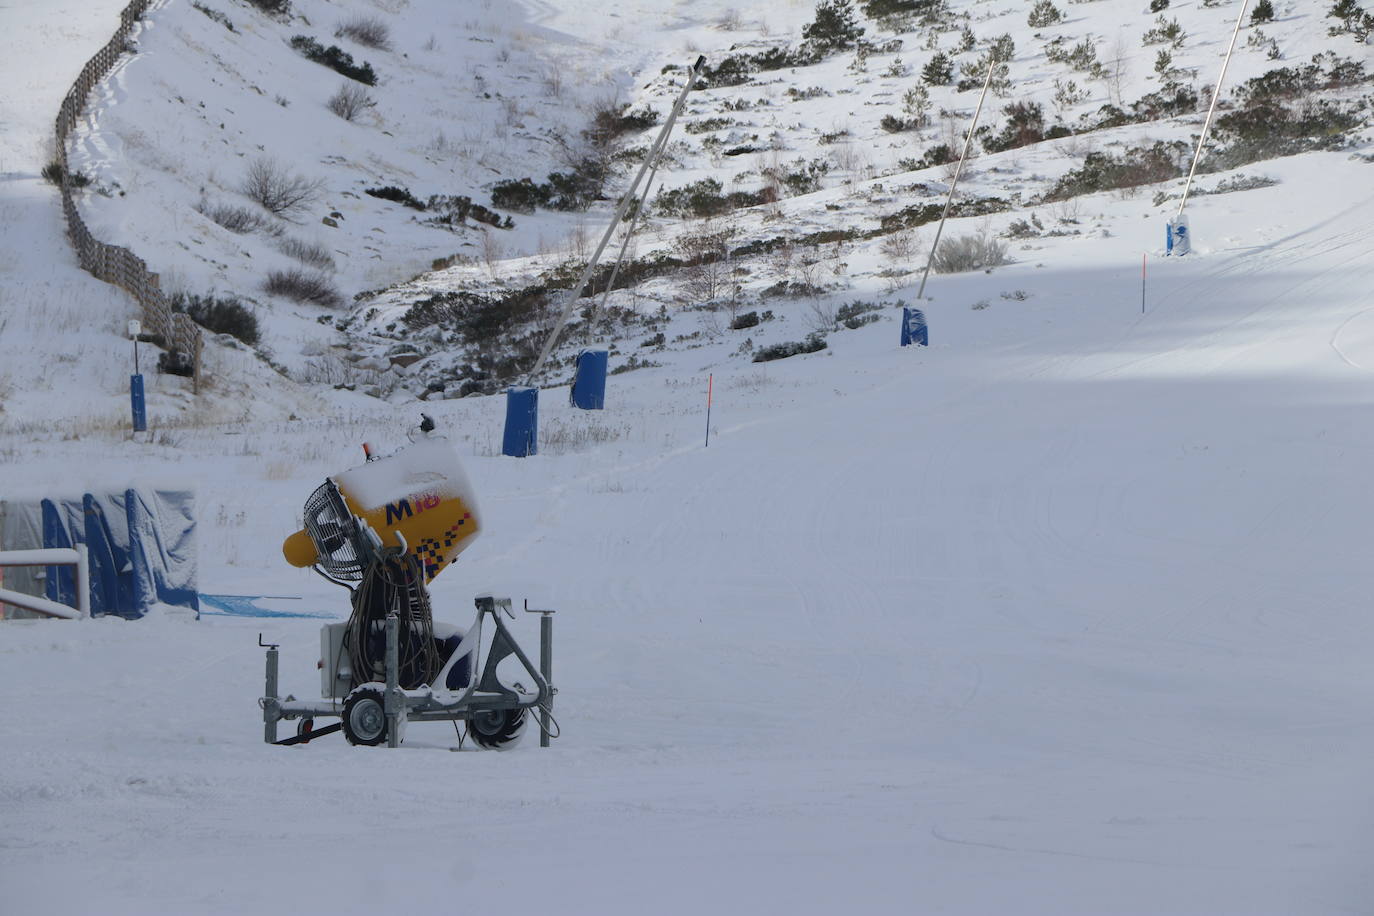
x,y
384,530
418,500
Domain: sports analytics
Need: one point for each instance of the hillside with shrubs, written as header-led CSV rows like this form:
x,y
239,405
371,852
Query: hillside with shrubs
x,y
396,197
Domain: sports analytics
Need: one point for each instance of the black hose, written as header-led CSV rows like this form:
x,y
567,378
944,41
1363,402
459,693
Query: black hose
x,y
393,584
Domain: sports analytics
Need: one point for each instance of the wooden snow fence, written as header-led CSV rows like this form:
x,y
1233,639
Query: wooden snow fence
x,y
111,263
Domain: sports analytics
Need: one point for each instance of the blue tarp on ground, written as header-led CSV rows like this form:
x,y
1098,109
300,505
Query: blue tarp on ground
x,y
140,545
162,547
251,606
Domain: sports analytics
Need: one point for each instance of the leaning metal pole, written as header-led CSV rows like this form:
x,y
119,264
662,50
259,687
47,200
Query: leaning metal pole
x,y
1206,125
629,196
968,141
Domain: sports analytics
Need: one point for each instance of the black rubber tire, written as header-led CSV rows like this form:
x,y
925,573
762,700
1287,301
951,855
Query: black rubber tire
x,y
496,729
305,727
364,717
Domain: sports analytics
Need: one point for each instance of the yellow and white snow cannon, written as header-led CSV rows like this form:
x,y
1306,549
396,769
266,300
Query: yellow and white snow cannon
x,y
384,530
418,500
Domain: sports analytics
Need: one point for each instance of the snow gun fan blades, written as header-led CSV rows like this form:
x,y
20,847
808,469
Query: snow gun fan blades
x,y
417,500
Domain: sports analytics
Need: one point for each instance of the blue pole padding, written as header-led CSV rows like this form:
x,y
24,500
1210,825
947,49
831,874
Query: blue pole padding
x,y
1179,242
522,422
589,382
136,401
914,329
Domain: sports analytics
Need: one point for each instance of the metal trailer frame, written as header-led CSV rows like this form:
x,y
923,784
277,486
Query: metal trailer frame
x,y
484,691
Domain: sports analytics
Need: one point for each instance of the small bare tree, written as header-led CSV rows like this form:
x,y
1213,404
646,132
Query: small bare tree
x,y
1116,68
278,191
350,101
706,252
492,253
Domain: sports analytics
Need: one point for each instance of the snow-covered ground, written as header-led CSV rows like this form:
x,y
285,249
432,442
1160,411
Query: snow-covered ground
x,y
1064,614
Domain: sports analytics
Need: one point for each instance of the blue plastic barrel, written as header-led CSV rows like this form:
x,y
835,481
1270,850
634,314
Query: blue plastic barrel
x,y
589,382
137,403
914,330
522,422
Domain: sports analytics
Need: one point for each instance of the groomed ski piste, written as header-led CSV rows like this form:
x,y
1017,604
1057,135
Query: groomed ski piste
x,y
1067,613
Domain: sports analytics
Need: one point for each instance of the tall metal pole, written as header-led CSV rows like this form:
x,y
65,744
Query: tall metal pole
x,y
968,141
1211,109
576,292
624,246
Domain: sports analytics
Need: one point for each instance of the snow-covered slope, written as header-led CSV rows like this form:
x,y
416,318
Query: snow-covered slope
x,y
1064,614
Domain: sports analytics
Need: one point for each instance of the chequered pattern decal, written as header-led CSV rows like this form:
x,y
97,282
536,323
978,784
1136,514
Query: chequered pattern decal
x,y
431,551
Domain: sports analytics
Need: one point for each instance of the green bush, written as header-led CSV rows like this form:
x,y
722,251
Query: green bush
x,y
214,15
396,195
220,316
521,195
275,7
1137,166
1263,12
335,58
575,190
52,173
939,70
1172,100
704,198
834,28
858,313
899,9
813,344
1266,130
1025,125
1043,14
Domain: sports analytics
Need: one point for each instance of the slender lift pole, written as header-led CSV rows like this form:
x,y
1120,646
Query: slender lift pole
x,y
968,141
654,152
1206,125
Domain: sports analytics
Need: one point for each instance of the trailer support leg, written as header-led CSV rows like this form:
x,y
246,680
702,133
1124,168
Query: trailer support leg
x,y
394,702
546,669
271,707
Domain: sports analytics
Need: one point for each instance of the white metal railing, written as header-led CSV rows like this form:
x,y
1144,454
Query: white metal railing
x,y
53,556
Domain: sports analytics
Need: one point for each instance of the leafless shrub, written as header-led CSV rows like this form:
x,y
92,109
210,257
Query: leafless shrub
x,y
706,252
313,288
821,316
240,220
312,253
328,369
492,253
970,252
278,191
558,437
900,246
350,101
366,30
552,80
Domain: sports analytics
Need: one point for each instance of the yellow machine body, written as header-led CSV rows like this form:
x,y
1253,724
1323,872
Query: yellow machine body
x,y
421,493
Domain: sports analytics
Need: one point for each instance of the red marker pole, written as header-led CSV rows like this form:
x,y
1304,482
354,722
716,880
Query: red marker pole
x,y
710,380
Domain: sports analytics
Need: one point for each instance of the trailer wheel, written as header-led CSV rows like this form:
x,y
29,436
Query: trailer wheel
x,y
497,729
303,728
364,717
